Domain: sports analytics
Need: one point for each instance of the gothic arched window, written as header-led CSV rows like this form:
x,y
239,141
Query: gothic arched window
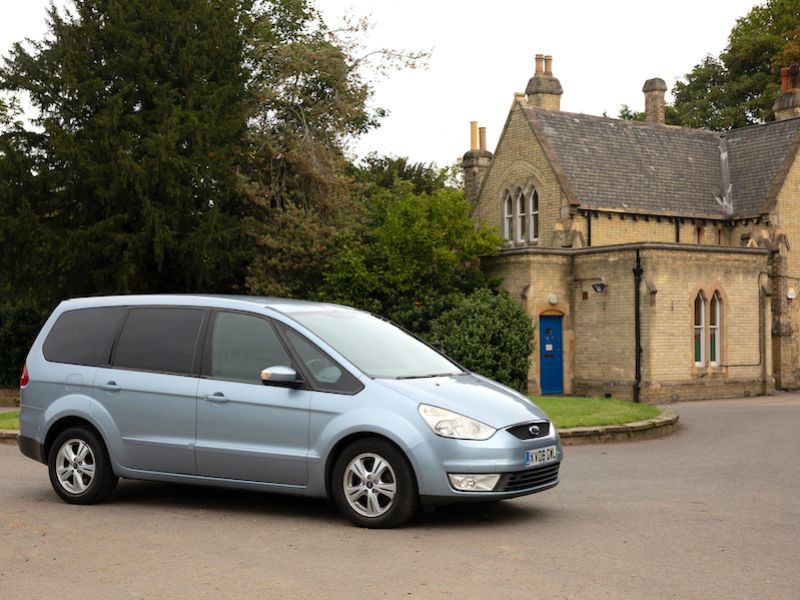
x,y
699,329
534,221
714,329
522,216
508,217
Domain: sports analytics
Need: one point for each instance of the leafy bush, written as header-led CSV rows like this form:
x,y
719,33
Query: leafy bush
x,y
488,333
414,257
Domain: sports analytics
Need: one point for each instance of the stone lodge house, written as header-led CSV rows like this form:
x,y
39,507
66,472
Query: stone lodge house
x,y
658,263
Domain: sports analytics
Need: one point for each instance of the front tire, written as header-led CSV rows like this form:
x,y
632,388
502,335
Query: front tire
x,y
374,486
79,467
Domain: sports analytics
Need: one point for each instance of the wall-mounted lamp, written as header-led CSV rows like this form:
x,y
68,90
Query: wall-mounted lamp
x,y
599,285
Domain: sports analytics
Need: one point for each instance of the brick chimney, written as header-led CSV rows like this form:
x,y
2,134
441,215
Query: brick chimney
x,y
787,104
543,89
654,100
475,162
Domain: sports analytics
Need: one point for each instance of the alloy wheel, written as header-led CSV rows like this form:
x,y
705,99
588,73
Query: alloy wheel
x,y
370,485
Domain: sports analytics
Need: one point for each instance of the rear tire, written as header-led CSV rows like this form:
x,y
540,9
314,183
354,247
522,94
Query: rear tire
x,y
373,484
79,467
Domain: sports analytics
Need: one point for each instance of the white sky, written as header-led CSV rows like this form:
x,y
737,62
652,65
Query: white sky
x,y
483,52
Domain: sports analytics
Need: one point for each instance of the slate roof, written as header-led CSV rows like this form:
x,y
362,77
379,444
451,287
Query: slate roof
x,y
759,157
631,166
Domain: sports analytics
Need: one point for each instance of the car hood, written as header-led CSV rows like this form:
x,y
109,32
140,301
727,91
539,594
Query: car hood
x,y
470,395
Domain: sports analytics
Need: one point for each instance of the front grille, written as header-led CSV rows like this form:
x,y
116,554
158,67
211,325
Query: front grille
x,y
529,478
523,431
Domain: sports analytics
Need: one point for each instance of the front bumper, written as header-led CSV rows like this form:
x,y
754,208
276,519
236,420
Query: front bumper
x,y
503,454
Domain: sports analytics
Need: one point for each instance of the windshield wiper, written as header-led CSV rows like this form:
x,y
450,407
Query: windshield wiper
x,y
429,375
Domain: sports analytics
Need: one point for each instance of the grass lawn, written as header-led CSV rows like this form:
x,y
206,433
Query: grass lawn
x,y
568,412
9,420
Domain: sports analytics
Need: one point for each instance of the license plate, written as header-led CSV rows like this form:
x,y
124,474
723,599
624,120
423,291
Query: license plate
x,y
540,456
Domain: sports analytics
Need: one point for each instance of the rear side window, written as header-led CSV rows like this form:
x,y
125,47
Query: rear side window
x,y
159,339
82,337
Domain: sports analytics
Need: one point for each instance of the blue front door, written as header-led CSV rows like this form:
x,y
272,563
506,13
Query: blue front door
x,y
551,365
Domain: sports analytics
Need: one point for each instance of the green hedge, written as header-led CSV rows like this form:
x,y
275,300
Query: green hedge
x,y
488,333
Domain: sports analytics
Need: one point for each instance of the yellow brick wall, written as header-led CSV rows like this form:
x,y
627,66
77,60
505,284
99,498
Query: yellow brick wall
x,y
518,161
678,277
531,279
608,228
786,219
604,324
599,327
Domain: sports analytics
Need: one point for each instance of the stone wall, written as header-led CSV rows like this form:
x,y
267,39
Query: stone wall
x,y
542,283
610,228
785,218
519,161
599,340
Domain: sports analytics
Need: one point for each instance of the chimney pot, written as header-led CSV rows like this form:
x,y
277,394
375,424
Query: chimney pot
x,y
482,135
473,135
784,79
787,104
548,65
539,64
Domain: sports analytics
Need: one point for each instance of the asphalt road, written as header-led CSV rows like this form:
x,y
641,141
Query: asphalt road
x,y
710,512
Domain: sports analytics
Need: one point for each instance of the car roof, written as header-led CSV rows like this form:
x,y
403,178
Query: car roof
x,y
283,305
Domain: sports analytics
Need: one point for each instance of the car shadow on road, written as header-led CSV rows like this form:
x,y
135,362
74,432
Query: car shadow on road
x,y
198,497
189,497
488,514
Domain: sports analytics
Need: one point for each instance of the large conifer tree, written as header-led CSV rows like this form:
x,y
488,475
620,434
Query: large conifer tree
x,y
126,181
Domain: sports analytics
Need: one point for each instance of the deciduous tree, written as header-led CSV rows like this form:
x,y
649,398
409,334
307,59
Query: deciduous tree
x,y
739,87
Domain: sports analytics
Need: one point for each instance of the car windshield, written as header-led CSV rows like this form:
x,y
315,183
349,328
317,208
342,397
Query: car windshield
x,y
376,347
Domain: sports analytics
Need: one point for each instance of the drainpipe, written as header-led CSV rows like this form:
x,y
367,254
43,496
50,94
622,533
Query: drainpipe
x,y
637,311
588,228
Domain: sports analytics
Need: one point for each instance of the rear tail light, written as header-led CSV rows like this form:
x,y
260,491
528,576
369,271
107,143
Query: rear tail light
x,y
23,381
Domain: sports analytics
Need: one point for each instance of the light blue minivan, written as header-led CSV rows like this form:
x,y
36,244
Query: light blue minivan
x,y
278,395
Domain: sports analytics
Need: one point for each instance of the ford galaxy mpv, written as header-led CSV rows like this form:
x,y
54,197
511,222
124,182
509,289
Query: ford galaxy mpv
x,y
278,395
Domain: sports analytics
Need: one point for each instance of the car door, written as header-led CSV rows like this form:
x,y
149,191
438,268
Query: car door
x,y
245,429
150,387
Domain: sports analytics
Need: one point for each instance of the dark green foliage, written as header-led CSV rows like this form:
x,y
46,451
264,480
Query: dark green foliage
x,y
488,333
413,257
382,172
141,107
19,323
295,249
740,86
128,181
308,100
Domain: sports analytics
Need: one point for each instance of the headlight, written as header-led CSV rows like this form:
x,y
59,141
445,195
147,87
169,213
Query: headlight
x,y
452,425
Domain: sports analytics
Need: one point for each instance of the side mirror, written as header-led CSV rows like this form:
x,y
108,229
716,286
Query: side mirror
x,y
280,376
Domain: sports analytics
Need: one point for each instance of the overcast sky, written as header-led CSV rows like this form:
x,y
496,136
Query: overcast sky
x,y
483,52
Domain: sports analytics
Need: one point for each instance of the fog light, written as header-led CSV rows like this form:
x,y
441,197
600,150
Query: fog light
x,y
472,482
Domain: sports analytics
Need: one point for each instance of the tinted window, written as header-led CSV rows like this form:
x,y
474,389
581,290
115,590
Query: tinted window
x,y
159,339
244,345
82,337
327,375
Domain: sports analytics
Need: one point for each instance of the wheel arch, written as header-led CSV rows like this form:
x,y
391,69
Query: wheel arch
x,y
64,423
342,444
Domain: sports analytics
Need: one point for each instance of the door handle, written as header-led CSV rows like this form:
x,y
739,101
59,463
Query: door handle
x,y
111,386
217,398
